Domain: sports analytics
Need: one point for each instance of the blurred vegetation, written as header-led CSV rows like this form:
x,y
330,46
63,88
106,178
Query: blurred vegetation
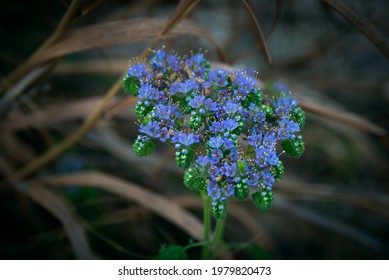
x,y
72,187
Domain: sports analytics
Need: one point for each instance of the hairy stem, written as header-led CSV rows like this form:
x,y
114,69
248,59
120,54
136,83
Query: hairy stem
x,y
218,237
207,224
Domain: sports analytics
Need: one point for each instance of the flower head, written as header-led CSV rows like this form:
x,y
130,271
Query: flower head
x,y
224,129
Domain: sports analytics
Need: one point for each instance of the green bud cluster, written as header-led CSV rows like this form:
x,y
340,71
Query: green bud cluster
x,y
263,200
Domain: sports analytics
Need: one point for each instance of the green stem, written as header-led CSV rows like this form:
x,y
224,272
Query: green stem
x,y
207,224
218,237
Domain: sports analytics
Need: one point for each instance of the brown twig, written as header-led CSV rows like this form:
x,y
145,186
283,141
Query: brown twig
x,y
261,37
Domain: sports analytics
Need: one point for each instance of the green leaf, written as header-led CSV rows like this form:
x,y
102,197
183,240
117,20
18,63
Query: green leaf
x,y
131,84
171,252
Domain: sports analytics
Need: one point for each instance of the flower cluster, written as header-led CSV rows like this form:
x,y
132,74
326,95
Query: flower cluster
x,y
224,128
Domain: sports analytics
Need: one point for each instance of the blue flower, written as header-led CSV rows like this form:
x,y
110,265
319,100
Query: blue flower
x,y
216,142
158,61
214,190
151,129
230,124
213,171
253,178
165,112
269,140
185,139
148,92
174,88
198,64
231,107
287,129
267,178
219,77
228,169
187,86
139,71
197,101
254,139
215,156
173,62
202,161
265,157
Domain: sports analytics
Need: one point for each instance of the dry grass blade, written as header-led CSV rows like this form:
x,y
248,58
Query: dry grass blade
x,y
72,138
118,33
314,192
53,114
330,224
279,4
360,22
92,119
261,37
346,118
57,206
155,202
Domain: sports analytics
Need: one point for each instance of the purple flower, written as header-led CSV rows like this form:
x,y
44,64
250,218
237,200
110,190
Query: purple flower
x,y
158,61
228,144
254,139
216,142
197,101
287,129
213,190
265,157
231,107
219,77
201,160
165,112
187,86
174,88
213,171
230,124
244,82
164,134
197,63
173,62
185,139
228,169
269,140
148,92
215,156
151,129
139,71
267,178
253,178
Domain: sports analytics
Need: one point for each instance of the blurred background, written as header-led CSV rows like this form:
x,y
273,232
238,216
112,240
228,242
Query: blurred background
x,y
71,186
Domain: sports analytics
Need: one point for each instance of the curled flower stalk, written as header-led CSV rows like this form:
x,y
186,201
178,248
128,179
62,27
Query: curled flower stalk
x,y
224,129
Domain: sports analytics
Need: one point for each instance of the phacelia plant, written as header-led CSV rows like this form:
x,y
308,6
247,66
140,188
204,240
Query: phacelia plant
x,y
223,127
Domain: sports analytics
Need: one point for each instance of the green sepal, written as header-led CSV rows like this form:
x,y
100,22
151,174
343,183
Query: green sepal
x,y
268,111
277,170
193,179
131,85
141,110
172,252
184,160
240,128
294,148
219,210
195,121
241,191
142,148
184,106
298,116
263,200
255,97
